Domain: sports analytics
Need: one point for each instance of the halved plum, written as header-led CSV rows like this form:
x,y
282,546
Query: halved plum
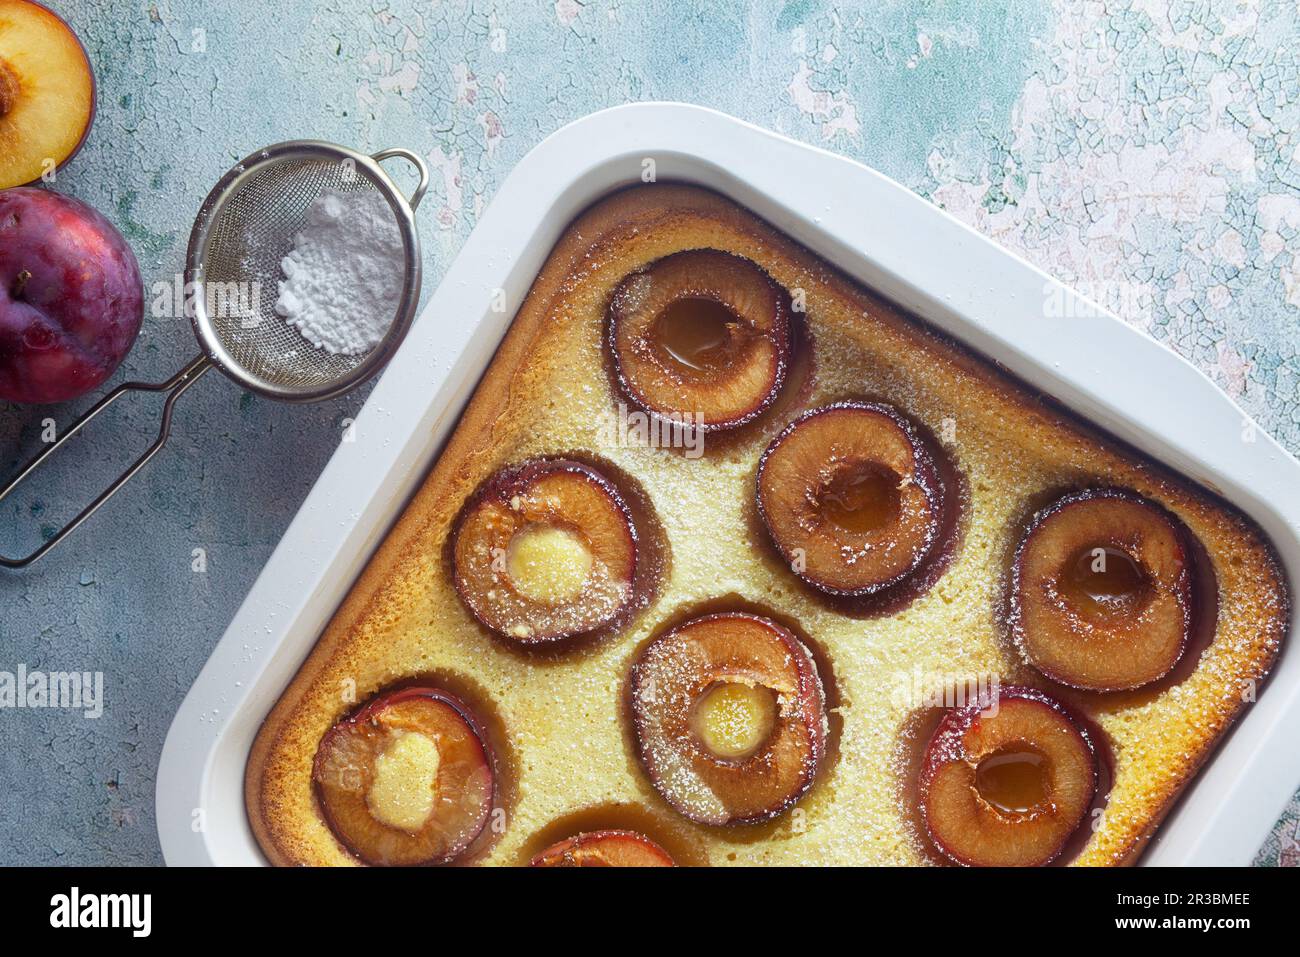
x,y
604,849
1101,591
47,93
730,718
701,339
851,497
1007,786
544,551
407,780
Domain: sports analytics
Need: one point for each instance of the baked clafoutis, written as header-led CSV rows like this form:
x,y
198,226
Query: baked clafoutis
x,y
731,561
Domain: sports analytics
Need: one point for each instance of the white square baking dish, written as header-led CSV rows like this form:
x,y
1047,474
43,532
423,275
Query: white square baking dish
x,y
875,230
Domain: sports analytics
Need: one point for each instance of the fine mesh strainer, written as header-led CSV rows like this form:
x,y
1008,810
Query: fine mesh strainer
x,y
243,230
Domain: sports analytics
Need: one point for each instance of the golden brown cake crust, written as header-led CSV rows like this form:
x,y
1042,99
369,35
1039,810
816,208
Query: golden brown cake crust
x,y
564,744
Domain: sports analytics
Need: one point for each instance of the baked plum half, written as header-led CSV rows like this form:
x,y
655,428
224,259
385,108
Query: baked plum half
x,y
1101,591
604,849
851,497
1007,787
730,718
544,551
407,780
700,338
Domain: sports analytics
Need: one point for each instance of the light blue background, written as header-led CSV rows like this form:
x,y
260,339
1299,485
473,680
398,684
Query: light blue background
x,y
1132,146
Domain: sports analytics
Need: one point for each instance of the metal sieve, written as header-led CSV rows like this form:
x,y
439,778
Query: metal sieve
x,y
244,228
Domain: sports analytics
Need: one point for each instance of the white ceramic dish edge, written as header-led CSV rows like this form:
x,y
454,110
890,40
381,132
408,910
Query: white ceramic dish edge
x,y
875,230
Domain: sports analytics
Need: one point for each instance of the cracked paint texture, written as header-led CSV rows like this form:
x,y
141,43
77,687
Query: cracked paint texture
x,y
1146,152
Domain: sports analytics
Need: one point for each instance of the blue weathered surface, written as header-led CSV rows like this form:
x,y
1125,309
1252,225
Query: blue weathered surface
x,y
1147,152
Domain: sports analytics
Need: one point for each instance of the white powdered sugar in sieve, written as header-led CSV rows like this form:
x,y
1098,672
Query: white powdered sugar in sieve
x,y
343,277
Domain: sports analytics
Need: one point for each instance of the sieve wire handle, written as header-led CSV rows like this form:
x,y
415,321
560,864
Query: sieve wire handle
x,y
175,387
414,159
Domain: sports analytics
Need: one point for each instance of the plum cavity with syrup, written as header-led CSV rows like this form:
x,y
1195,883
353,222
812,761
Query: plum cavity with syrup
x,y
1007,785
1102,591
701,339
852,498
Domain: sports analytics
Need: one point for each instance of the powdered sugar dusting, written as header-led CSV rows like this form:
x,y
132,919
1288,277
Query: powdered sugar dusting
x,y
343,277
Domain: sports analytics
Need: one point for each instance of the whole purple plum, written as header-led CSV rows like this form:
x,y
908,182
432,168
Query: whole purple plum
x,y
71,300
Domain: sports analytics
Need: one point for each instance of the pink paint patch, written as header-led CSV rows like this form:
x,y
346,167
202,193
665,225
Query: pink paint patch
x,y
566,11
1231,370
493,132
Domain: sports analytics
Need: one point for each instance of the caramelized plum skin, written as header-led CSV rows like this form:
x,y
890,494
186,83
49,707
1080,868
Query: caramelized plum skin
x,y
372,817
604,849
672,676
700,339
850,495
1101,591
1023,822
495,540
